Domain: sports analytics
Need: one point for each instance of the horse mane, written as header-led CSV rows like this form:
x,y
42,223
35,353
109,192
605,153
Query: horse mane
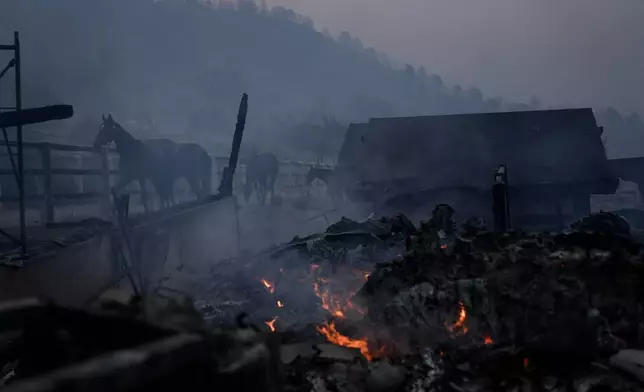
x,y
127,145
125,132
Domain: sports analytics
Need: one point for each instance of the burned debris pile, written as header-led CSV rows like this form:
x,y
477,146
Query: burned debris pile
x,y
384,305
512,307
455,307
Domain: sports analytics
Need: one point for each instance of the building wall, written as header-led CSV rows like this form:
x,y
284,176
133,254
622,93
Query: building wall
x,y
627,196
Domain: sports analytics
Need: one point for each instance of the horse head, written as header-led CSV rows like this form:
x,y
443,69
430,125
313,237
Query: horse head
x,y
106,133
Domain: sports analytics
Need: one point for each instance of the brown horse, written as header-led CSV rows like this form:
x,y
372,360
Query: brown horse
x,y
138,160
261,174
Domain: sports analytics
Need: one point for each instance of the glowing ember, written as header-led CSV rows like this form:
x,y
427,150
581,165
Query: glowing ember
x,y
487,340
280,304
269,286
366,275
271,324
329,303
334,304
459,325
335,337
443,246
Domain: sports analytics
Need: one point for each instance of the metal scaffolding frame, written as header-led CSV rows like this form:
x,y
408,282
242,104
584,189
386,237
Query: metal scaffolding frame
x,y
19,170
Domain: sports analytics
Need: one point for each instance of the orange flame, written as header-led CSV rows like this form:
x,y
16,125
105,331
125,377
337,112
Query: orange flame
x,y
459,325
271,324
334,304
333,336
269,286
487,340
280,304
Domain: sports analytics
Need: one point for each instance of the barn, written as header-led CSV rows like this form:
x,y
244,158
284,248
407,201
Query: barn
x,y
555,161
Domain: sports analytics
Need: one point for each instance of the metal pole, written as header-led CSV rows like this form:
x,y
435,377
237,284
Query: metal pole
x,y
21,172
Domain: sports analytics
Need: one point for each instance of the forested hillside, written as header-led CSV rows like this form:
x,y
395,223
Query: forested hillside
x,y
180,68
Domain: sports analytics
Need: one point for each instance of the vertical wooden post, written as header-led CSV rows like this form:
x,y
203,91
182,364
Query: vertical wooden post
x,y
500,200
106,196
47,214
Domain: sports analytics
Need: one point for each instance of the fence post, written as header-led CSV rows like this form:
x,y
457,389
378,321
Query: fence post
x,y
106,195
47,214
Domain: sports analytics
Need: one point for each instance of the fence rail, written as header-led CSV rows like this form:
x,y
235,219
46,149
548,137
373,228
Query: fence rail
x,y
47,170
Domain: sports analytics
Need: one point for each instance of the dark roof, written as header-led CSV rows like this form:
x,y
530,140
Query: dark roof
x,y
548,146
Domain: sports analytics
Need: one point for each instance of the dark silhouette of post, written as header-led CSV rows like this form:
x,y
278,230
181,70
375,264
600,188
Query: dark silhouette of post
x,y
17,119
106,195
500,200
21,158
47,215
226,186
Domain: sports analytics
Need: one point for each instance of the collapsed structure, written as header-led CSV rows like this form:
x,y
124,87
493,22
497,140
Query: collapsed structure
x,y
555,161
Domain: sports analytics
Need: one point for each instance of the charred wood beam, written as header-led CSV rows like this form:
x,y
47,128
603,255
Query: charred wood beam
x,y
226,185
181,359
36,115
116,353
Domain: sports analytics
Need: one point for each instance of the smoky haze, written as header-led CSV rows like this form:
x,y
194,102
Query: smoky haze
x,y
580,52
178,68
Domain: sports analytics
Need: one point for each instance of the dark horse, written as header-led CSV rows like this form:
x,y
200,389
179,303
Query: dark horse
x,y
138,160
160,160
189,161
330,177
261,174
323,174
195,165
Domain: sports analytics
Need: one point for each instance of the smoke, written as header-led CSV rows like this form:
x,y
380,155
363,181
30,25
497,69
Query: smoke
x,y
577,52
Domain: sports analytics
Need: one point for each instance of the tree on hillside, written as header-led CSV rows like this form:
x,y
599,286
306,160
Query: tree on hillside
x,y
248,6
410,72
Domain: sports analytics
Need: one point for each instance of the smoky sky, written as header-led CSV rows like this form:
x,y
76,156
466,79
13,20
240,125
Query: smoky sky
x,y
571,52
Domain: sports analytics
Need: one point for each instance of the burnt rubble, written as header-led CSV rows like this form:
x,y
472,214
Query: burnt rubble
x,y
514,306
446,306
382,305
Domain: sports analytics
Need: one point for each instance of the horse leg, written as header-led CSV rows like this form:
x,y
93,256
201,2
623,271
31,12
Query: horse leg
x,y
194,186
258,191
117,189
122,182
169,193
172,201
263,188
271,186
144,193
